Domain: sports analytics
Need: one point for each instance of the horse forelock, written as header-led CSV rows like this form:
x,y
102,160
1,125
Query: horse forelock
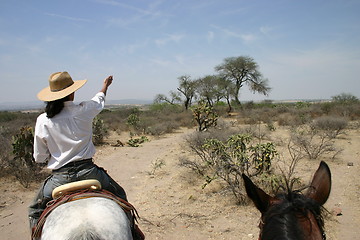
x,y
292,216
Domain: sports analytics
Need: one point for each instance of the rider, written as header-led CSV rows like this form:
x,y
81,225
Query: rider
x,y
63,139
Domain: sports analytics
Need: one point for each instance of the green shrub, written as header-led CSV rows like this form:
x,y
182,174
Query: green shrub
x,y
23,165
262,155
136,142
116,118
5,155
99,131
133,121
165,108
156,165
7,116
227,160
345,98
204,115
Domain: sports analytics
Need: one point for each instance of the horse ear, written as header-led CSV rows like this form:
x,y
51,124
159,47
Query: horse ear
x,y
320,186
257,195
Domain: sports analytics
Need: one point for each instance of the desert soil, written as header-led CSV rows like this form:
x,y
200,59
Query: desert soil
x,y
172,204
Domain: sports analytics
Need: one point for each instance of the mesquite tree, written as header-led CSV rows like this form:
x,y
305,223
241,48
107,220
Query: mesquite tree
x,y
243,70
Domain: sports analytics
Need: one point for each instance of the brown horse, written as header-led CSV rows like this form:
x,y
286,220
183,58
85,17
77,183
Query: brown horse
x,y
292,215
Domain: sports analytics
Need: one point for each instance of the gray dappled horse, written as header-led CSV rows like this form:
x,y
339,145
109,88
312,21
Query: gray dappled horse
x,y
89,218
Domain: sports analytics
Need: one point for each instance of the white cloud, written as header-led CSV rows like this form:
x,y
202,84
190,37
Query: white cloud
x,y
230,33
210,36
180,59
152,9
236,11
69,18
134,47
265,30
248,37
169,38
160,62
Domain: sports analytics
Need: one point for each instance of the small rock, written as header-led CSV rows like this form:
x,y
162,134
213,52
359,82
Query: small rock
x,y
350,164
336,211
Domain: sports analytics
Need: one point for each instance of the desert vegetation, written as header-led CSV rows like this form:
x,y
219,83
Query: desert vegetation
x,y
222,146
16,140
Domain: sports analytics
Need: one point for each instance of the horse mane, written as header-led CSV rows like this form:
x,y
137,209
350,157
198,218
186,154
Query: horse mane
x,y
85,235
280,222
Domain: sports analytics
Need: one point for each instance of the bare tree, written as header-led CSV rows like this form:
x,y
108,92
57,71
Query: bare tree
x,y
226,90
186,88
206,88
174,98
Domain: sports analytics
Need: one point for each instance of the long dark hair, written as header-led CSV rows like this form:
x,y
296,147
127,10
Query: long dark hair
x,y
54,107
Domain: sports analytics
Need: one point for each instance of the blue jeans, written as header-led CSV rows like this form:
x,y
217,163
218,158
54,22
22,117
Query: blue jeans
x,y
67,174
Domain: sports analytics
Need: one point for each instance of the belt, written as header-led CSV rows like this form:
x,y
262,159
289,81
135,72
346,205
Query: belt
x,y
75,164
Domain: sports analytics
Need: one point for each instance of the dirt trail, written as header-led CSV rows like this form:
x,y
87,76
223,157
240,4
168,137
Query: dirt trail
x,y
172,204
345,192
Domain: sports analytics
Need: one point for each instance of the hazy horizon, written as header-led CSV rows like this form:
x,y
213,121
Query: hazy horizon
x,y
38,105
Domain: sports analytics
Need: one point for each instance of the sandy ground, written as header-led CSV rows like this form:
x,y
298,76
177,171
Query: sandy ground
x,y
172,204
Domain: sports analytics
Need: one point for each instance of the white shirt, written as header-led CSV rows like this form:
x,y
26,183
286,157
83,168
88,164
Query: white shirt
x,y
67,137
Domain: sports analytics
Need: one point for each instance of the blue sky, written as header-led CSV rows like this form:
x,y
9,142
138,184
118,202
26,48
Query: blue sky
x,y
306,49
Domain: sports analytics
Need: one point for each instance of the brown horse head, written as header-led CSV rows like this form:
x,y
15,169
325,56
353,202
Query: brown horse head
x,y
292,215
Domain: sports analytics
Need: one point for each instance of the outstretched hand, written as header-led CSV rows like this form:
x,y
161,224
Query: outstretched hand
x,y
107,83
108,80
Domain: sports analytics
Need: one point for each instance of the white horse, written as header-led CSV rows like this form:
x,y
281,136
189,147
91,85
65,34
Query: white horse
x,y
94,218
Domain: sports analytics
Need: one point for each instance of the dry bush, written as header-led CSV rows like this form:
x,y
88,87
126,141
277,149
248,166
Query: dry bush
x,y
158,120
258,131
22,165
284,114
155,119
258,113
5,155
197,139
313,142
116,118
157,127
184,119
288,119
350,111
10,123
330,125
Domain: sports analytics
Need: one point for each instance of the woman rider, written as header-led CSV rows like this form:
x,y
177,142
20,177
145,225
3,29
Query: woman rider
x,y
63,139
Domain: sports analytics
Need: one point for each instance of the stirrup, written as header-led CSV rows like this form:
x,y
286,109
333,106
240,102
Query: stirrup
x,y
91,184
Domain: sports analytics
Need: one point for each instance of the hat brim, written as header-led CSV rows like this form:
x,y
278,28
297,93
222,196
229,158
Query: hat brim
x,y
47,95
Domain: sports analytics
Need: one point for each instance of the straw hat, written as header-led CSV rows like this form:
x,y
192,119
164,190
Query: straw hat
x,y
60,86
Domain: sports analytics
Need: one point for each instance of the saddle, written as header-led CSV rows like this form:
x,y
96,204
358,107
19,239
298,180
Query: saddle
x,y
90,184
80,190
